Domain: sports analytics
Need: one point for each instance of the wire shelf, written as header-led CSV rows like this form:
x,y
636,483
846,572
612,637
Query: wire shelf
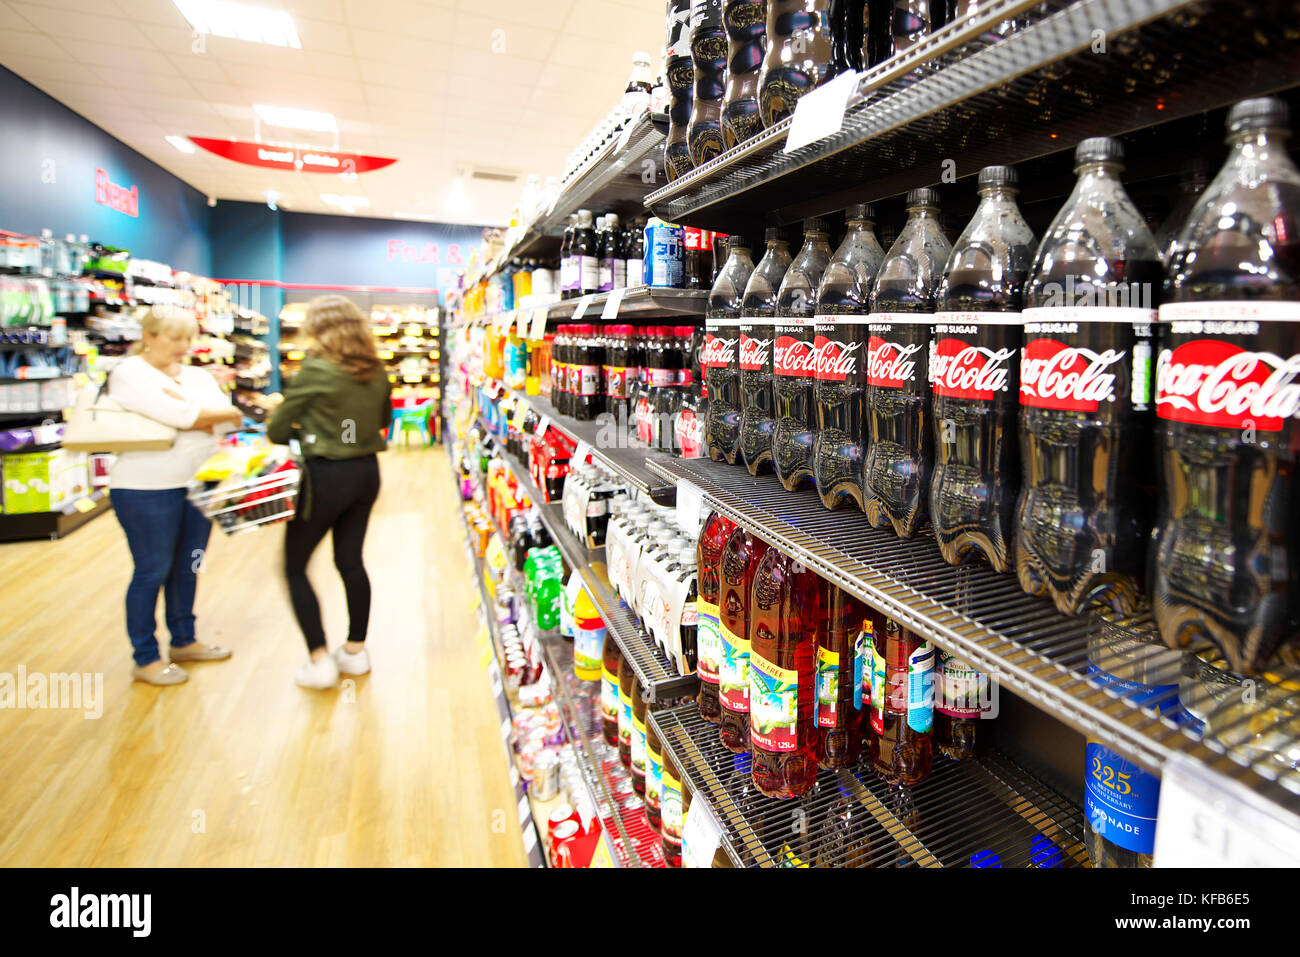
x,y
968,94
852,818
1094,673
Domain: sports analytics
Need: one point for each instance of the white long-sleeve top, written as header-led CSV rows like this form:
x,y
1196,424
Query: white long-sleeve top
x,y
144,389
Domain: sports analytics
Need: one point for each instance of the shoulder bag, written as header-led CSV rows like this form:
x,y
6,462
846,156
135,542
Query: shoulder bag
x,y
98,423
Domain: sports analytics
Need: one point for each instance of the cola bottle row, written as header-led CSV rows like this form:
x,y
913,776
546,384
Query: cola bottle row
x,y
801,675
1040,402
737,67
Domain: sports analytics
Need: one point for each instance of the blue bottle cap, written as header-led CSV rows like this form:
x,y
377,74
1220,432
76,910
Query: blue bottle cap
x,y
1044,853
742,763
985,859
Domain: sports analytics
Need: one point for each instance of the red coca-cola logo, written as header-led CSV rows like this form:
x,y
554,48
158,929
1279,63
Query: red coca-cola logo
x,y
753,353
959,370
717,352
891,365
836,361
794,357
1054,375
1216,383
690,434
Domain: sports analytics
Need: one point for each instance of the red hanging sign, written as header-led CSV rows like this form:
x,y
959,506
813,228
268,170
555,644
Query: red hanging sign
x,y
292,159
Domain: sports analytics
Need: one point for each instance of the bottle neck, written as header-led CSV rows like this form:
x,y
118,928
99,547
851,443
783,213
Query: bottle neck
x,y
1261,146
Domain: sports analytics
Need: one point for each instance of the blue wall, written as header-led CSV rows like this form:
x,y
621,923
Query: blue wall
x,y
48,158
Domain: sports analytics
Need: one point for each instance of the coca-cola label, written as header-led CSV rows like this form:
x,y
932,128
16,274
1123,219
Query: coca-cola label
x,y
720,338
1230,365
1087,359
840,345
897,350
689,429
975,355
755,344
795,351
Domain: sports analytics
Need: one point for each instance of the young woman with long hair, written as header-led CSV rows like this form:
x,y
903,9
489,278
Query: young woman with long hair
x,y
337,406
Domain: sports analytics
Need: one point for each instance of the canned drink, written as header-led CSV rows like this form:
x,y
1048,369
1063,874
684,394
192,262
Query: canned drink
x,y
565,832
565,812
546,776
664,253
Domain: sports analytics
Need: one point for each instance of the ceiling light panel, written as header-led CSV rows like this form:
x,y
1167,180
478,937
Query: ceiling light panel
x,y
241,21
295,119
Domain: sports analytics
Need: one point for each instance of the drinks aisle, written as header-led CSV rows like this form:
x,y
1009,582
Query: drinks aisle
x,y
239,766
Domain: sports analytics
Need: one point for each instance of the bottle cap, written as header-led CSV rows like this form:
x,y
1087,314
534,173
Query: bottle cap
x,y
736,241
922,197
998,176
1259,113
814,224
1043,853
861,211
584,218
743,763
985,859
1099,149
772,234
686,554
611,220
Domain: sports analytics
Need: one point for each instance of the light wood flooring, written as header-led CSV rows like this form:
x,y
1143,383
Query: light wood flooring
x,y
239,766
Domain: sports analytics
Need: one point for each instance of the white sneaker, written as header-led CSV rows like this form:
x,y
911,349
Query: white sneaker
x,y
350,664
318,674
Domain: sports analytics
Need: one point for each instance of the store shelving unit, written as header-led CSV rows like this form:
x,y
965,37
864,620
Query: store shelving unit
x,y
971,96
1021,641
54,525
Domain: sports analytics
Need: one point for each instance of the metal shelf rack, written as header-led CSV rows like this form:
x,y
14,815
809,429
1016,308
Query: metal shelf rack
x,y
1022,642
972,96
852,818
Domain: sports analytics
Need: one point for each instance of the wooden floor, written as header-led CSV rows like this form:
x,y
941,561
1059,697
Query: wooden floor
x,y
240,766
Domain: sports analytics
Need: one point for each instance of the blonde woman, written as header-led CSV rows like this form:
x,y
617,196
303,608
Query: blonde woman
x,y
166,534
338,406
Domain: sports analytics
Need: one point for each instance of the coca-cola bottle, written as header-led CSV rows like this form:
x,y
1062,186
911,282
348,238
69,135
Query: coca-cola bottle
x,y
757,321
740,559
1226,556
708,640
1085,395
680,71
901,454
709,54
746,25
797,56
839,678
721,358
975,379
902,710
843,301
848,37
782,676
794,355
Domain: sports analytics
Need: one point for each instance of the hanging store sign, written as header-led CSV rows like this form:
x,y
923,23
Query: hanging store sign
x,y
292,159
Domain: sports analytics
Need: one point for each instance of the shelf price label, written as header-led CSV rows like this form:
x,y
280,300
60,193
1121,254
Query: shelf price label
x,y
538,328
820,113
700,835
581,452
84,504
1209,820
612,304
601,856
542,425
524,319
690,506
583,305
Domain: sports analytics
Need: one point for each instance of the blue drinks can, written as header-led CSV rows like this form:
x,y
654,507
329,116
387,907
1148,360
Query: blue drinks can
x,y
664,253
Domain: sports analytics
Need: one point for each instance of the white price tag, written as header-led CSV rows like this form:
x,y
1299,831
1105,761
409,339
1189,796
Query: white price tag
x,y
538,329
632,123
543,424
524,318
580,453
690,507
820,112
612,304
583,305
1208,820
504,320
700,835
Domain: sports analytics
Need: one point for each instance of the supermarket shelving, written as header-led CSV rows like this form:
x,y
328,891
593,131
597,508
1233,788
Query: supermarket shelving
x,y
637,302
969,95
54,525
1021,641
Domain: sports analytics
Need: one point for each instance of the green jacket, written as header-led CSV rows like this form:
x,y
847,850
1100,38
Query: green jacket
x,y
338,417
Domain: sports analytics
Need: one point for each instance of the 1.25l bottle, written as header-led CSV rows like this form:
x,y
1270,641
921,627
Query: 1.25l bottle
x,y
713,539
839,678
902,715
740,559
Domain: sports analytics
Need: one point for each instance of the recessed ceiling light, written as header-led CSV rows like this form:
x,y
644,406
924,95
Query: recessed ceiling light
x,y
348,203
294,119
272,197
181,143
241,21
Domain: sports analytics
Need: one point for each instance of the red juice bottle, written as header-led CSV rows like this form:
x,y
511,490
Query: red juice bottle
x,y
611,661
626,687
902,713
782,676
739,561
839,678
713,539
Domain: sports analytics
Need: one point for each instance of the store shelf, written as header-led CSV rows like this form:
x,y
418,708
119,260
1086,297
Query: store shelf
x,y
1023,642
637,301
967,96
54,525
54,414
627,459
852,818
655,672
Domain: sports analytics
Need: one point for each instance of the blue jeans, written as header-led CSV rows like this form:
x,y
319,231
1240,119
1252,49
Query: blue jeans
x,y
167,536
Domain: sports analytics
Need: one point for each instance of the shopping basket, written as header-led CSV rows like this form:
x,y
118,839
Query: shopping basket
x,y
254,502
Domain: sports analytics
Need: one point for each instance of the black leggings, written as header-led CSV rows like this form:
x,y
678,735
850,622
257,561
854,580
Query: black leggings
x,y
342,493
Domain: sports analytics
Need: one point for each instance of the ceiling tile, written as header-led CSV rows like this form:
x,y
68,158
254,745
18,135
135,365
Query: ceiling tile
x,y
11,19
334,66
175,40
372,45
523,12
324,36
22,43
84,26
197,67
476,36
402,17
115,59
32,68
414,76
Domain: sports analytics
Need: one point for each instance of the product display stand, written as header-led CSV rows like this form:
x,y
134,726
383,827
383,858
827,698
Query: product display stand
x,y
54,525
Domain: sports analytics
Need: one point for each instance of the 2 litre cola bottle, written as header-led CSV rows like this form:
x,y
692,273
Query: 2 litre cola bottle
x,y
709,54
680,73
975,379
1085,395
746,24
757,325
794,357
901,454
721,358
839,392
797,57
1224,565
783,675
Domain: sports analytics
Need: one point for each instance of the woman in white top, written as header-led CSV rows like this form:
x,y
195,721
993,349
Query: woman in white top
x,y
166,534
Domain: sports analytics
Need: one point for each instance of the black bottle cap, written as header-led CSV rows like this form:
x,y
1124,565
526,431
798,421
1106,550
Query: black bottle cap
x,y
923,197
814,224
1099,149
1259,113
772,234
861,211
734,241
998,176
